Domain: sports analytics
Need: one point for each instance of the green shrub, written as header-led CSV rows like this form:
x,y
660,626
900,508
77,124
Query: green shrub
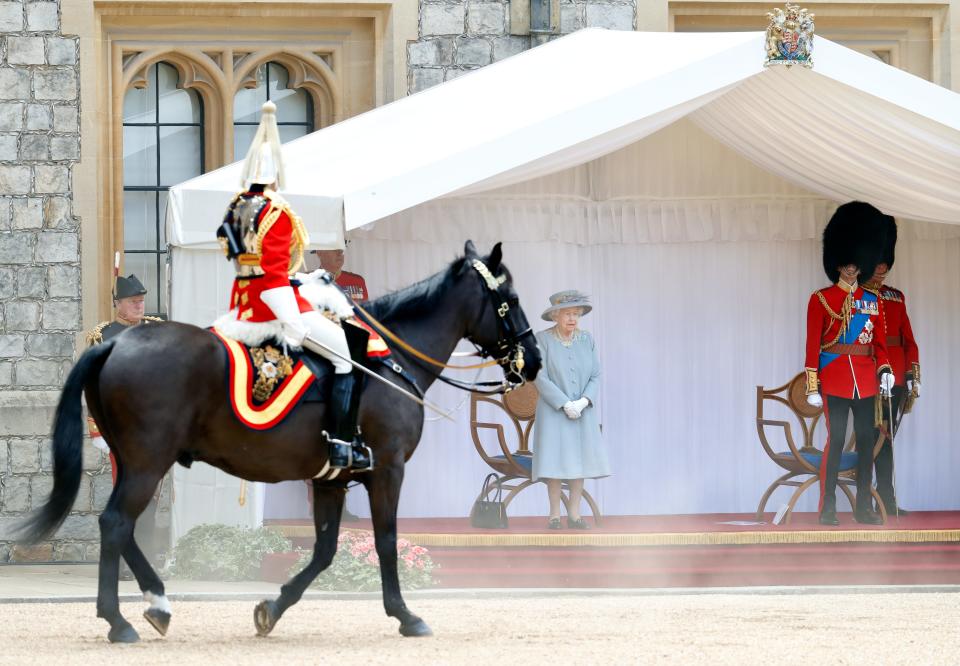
x,y
219,552
356,567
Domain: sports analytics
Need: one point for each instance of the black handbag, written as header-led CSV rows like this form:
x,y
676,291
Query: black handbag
x,y
486,513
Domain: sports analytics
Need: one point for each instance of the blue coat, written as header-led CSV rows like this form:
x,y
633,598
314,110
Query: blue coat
x,y
564,448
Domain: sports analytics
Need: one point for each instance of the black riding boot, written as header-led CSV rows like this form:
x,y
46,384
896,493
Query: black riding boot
x,y
347,450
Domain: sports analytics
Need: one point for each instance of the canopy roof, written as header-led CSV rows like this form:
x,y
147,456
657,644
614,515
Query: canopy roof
x,y
850,128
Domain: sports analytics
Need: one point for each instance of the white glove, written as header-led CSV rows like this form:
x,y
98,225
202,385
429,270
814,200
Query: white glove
x,y
913,387
814,400
283,302
887,381
581,404
100,443
570,409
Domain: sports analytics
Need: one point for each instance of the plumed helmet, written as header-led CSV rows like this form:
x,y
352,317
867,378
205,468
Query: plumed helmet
x,y
264,162
129,286
853,236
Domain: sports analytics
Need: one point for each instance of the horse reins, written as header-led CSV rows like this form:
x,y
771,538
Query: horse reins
x,y
512,359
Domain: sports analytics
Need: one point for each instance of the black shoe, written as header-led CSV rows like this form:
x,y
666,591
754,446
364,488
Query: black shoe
x,y
362,457
829,517
554,524
578,524
867,517
341,453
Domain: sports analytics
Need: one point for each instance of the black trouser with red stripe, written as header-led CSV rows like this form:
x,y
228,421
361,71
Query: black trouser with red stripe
x,y
835,411
884,461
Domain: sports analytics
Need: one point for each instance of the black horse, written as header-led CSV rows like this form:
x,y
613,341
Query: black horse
x,y
159,396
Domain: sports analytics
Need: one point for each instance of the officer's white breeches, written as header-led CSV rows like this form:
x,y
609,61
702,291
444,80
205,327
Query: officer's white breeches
x,y
323,330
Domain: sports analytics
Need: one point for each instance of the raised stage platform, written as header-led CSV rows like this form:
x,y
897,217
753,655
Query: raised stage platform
x,y
677,551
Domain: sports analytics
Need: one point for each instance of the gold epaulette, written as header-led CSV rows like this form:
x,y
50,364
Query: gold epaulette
x,y
95,336
151,318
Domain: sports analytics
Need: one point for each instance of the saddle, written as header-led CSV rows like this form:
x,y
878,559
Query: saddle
x,y
268,381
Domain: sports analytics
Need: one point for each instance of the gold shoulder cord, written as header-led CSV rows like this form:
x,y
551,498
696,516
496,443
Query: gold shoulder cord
x,y
95,336
846,312
152,318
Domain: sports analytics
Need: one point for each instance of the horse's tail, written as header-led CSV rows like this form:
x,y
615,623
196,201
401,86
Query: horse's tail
x,y
67,448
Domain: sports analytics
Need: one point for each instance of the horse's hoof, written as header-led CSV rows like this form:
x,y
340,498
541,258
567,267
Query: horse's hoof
x,y
123,633
416,629
158,619
265,617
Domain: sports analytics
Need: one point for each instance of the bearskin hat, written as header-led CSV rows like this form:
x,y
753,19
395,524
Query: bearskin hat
x,y
853,236
889,239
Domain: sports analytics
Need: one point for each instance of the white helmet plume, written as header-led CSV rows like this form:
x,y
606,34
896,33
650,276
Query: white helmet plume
x,y
264,162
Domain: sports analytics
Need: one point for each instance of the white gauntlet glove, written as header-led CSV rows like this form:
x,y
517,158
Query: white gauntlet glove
x,y
814,400
570,409
283,302
913,387
100,443
887,381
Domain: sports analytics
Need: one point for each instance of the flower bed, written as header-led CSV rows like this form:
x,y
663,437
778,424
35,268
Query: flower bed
x,y
356,567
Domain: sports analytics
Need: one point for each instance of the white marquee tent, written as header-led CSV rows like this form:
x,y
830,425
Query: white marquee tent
x,y
679,182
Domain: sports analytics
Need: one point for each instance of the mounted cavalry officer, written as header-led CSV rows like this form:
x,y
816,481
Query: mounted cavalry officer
x,y
904,358
266,240
846,353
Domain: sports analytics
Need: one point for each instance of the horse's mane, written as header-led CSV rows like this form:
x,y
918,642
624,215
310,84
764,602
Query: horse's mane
x,y
417,299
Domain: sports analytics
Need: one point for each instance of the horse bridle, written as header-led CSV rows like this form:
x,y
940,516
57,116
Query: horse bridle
x,y
508,352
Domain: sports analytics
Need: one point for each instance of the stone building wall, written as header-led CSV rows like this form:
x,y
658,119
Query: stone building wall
x,y
39,271
457,36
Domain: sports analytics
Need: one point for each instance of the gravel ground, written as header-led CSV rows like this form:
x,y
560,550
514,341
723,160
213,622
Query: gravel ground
x,y
863,628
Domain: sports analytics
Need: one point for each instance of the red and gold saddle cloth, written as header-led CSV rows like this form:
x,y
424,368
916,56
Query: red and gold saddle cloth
x,y
265,385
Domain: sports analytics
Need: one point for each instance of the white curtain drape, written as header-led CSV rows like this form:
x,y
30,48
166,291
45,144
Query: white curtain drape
x,y
700,265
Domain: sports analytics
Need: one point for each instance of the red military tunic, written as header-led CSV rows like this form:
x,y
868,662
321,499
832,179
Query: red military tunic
x,y
901,345
354,285
846,342
278,253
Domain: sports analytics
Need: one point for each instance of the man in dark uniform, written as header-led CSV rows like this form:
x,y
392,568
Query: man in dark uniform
x,y
128,301
846,354
904,359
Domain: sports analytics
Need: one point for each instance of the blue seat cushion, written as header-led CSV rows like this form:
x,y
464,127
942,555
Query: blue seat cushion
x,y
848,459
524,461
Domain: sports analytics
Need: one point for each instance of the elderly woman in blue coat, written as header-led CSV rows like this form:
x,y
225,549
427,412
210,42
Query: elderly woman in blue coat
x,y
567,445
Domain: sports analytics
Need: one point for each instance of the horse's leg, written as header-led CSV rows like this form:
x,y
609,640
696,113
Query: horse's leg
x,y
383,486
327,505
158,615
128,499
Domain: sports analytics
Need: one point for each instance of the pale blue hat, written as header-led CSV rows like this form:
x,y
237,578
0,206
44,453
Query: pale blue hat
x,y
571,298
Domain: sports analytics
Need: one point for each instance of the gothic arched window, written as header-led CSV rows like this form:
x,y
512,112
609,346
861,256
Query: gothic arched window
x,y
294,108
162,146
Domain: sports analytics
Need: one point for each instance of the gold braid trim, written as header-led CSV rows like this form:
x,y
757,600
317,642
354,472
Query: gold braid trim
x,y
95,336
298,240
152,318
813,384
846,313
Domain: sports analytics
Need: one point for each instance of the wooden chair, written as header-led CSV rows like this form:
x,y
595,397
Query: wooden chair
x,y
518,408
802,463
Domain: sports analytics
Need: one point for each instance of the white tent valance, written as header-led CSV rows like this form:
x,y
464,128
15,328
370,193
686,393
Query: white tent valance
x,y
850,128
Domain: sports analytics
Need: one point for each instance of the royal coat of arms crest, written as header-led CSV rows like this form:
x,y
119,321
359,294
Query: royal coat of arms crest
x,y
790,37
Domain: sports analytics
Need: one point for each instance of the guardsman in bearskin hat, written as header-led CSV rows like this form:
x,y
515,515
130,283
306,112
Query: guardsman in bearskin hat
x,y
904,358
128,302
846,354
266,240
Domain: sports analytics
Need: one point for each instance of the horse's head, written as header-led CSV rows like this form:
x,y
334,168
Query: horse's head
x,y
501,328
